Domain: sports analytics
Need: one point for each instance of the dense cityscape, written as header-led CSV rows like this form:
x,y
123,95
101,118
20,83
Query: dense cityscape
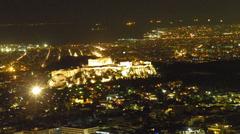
x,y
122,87
136,67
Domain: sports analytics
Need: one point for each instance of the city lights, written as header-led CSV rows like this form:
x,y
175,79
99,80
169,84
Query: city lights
x,y
11,69
131,81
36,90
97,54
105,68
109,67
45,45
130,23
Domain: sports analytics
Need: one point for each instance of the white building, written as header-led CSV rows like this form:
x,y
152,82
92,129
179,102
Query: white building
x,y
100,61
62,130
101,69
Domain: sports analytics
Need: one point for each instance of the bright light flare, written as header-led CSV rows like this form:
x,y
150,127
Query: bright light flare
x,y
130,23
45,45
36,90
11,69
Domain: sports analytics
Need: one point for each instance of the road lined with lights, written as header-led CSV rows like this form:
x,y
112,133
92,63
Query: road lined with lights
x,y
70,52
59,54
47,56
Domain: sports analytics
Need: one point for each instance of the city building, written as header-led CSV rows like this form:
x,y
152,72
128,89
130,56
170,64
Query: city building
x,y
62,130
103,70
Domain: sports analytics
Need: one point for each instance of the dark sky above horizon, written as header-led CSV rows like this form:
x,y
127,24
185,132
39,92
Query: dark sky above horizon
x,y
33,11
70,19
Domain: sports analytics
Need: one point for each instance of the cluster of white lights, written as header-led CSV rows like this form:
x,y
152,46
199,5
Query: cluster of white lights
x,y
36,90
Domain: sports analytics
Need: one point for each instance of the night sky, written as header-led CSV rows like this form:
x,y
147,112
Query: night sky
x,y
66,20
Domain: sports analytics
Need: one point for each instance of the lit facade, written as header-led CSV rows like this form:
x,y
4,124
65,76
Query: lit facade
x,y
100,62
62,130
100,70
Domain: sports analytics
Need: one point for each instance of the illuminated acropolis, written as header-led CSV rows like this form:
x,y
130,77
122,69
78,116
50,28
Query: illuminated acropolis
x,y
100,70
